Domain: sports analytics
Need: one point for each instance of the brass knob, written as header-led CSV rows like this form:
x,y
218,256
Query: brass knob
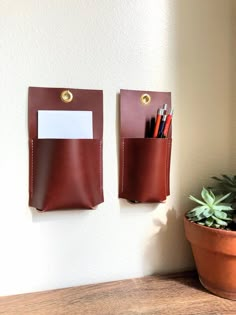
x,y
145,99
66,96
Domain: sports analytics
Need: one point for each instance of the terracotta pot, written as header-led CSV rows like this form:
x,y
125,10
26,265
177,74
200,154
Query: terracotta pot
x,y
214,252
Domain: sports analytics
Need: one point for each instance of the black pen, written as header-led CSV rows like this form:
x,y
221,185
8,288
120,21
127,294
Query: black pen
x,y
162,126
165,109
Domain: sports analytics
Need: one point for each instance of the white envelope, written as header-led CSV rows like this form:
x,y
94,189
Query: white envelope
x,y
65,124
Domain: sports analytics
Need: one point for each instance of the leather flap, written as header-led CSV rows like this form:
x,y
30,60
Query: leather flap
x,y
135,117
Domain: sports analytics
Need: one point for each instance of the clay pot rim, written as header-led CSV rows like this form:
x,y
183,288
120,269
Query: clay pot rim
x,y
228,233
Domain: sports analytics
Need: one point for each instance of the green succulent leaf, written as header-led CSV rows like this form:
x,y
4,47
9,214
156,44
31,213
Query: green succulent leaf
x,y
219,221
230,188
228,178
208,196
216,178
220,198
231,198
212,211
197,200
222,207
201,223
208,212
209,221
217,226
228,219
220,214
197,218
228,204
196,211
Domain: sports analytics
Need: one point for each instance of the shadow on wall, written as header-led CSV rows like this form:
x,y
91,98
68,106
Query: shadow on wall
x,y
53,217
165,251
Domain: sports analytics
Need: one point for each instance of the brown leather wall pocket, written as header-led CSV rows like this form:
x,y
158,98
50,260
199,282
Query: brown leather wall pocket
x,y
144,171
144,161
65,173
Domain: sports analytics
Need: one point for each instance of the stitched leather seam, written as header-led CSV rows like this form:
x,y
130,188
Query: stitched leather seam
x,y
100,166
32,169
167,169
123,165
168,164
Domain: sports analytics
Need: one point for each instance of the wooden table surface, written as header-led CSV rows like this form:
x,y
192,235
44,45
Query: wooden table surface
x,y
172,294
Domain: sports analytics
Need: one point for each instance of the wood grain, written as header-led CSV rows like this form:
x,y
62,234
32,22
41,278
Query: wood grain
x,y
172,294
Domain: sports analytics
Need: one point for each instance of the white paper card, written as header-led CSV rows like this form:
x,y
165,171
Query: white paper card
x,y
65,124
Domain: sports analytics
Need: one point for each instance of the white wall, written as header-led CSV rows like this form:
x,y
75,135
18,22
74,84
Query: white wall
x,y
233,142
182,46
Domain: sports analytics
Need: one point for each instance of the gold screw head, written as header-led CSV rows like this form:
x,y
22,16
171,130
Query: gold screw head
x,y
66,96
145,99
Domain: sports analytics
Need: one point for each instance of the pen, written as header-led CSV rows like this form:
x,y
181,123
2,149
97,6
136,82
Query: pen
x,y
158,120
164,109
167,124
162,126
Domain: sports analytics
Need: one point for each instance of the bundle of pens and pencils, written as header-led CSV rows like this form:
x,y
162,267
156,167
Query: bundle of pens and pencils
x,y
163,122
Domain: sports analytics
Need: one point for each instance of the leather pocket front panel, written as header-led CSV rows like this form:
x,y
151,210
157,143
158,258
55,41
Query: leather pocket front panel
x,y
144,169
66,173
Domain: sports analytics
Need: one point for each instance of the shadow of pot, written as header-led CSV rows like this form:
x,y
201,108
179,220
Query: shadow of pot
x,y
214,252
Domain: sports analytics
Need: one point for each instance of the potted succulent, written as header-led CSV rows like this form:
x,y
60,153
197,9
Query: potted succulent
x,y
211,229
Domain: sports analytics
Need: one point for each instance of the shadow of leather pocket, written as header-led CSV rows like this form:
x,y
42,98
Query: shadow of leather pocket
x,y
66,174
144,173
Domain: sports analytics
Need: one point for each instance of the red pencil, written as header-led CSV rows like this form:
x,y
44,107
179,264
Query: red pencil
x,y
167,124
157,124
